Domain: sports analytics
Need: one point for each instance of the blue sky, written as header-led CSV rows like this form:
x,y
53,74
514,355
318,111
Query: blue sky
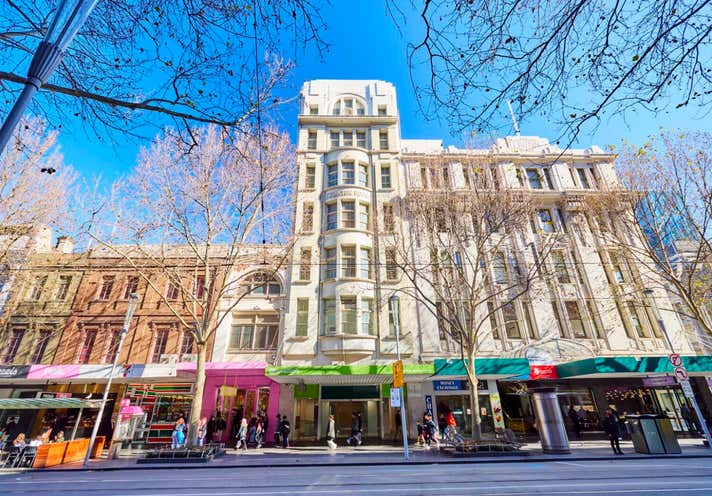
x,y
365,44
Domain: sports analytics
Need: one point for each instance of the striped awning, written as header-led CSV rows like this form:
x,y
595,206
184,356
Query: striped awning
x,y
46,403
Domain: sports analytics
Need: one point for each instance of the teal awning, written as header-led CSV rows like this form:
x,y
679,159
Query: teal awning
x,y
493,368
629,365
46,403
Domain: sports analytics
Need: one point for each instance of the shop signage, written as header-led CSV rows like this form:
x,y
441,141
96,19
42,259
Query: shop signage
x,y
687,389
14,371
457,385
429,404
395,397
497,414
665,380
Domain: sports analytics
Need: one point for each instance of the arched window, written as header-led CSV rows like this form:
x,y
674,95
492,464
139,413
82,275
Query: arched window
x,y
348,105
261,284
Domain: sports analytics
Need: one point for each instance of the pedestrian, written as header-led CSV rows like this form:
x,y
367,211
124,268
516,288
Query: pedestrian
x,y
202,431
284,429
331,433
178,435
419,428
259,431
277,434
355,437
220,426
432,431
265,426
575,421
610,426
689,419
242,435
210,429
399,426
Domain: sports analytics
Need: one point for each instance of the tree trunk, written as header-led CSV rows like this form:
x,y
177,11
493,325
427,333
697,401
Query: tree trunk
x,y
475,418
197,403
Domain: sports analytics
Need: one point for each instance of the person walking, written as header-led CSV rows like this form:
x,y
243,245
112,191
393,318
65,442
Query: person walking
x,y
210,429
178,435
242,435
399,426
575,421
432,430
689,419
284,429
220,426
331,433
277,435
202,431
610,426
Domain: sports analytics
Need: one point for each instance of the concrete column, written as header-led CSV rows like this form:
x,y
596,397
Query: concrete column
x,y
550,423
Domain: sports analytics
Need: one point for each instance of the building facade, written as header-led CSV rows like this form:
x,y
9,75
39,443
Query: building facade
x,y
575,326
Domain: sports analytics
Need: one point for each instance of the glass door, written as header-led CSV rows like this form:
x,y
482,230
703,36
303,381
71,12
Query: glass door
x,y
669,401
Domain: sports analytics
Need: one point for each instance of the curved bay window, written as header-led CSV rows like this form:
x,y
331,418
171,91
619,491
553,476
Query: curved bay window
x,y
260,284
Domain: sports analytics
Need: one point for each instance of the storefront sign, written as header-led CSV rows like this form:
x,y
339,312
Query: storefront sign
x,y
497,414
227,391
429,404
451,385
537,372
395,397
14,371
457,385
666,380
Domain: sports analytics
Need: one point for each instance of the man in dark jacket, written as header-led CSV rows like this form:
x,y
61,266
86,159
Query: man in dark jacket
x,y
610,426
284,429
575,421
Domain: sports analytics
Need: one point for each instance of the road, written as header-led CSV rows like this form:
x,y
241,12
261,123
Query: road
x,y
625,477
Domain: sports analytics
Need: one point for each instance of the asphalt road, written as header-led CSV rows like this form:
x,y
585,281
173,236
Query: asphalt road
x,y
625,477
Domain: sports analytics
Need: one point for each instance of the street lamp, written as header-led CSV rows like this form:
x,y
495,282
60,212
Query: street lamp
x,y
68,19
133,300
650,294
394,301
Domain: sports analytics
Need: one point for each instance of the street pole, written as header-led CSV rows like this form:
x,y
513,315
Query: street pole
x,y
133,300
393,301
656,312
68,19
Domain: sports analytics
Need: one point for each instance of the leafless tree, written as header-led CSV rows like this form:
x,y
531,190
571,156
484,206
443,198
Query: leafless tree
x,y
196,219
572,61
662,214
36,188
160,62
465,258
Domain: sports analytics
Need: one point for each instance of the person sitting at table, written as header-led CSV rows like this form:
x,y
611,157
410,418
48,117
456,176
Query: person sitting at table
x,y
59,438
19,441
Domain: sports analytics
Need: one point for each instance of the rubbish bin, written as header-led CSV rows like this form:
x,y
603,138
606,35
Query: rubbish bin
x,y
652,434
667,435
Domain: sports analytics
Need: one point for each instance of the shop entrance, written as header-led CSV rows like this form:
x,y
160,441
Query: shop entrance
x,y
343,402
670,401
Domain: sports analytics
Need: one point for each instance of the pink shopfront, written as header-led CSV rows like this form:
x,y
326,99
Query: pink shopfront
x,y
237,390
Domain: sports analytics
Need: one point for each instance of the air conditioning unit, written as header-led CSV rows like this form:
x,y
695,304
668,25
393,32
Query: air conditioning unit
x,y
168,359
189,357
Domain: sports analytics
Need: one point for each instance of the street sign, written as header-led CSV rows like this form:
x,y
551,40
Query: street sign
x,y
681,374
398,373
395,397
687,389
675,360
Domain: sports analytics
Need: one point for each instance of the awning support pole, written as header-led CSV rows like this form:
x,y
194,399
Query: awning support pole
x,y
76,423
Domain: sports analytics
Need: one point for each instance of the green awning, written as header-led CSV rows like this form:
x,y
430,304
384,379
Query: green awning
x,y
47,403
493,368
346,374
632,366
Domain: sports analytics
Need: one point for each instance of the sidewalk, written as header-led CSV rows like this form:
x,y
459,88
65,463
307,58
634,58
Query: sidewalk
x,y
310,456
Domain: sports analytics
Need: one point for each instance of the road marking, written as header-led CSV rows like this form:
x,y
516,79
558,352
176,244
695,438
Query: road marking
x,y
574,464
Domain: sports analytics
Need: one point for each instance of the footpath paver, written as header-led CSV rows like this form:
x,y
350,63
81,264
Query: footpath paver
x,y
386,455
